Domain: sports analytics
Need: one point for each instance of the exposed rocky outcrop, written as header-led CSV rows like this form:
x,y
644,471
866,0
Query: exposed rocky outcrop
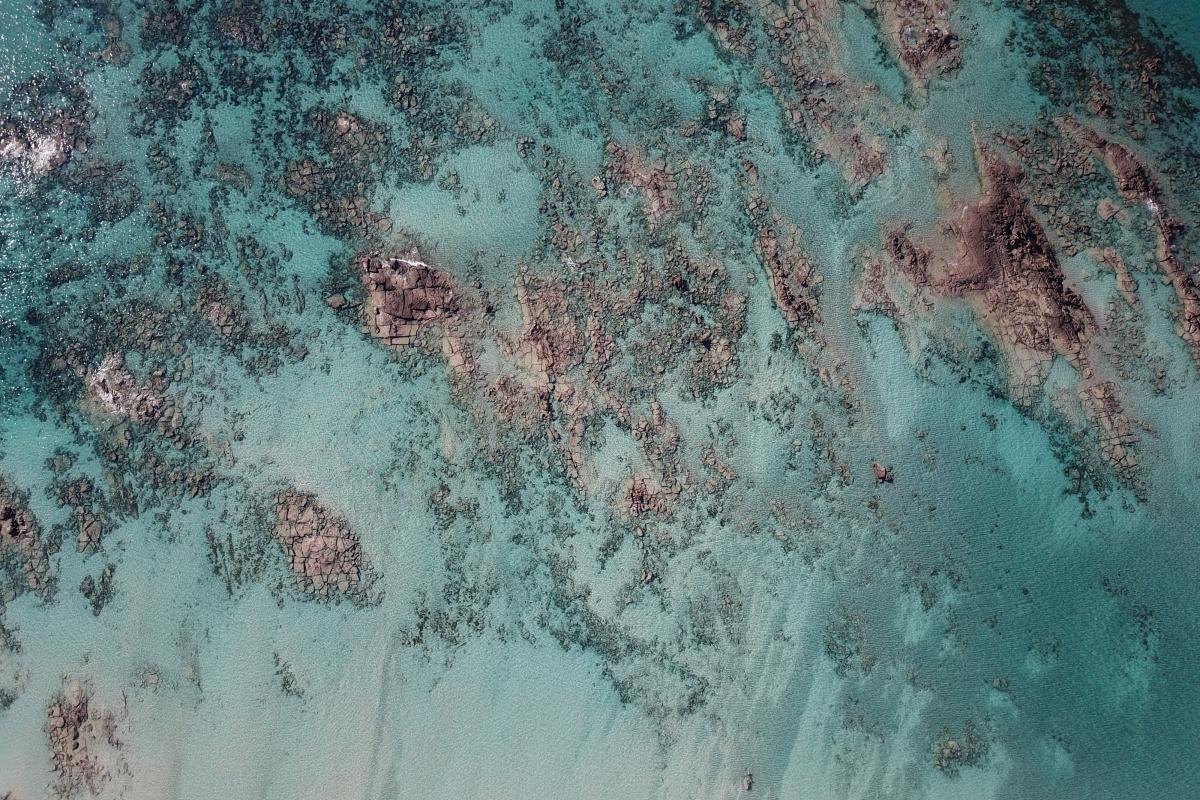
x,y
1008,267
919,34
43,123
653,178
792,276
323,553
405,297
1135,182
113,390
997,257
646,495
794,48
84,500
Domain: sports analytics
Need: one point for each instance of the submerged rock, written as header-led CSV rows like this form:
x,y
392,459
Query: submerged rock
x,y
323,553
113,390
85,752
24,555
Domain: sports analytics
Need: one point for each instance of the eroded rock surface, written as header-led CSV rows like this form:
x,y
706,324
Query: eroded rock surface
x,y
1008,266
405,297
1135,182
998,258
114,390
323,553
919,33
793,278
85,752
24,556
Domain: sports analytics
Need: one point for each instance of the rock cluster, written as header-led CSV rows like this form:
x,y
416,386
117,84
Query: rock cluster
x,y
215,304
23,553
793,277
43,136
113,389
349,137
81,497
1009,261
37,153
1134,181
646,495
951,752
1114,428
99,591
305,176
84,749
794,47
721,114
1004,265
919,32
316,186
323,553
655,179
550,343
406,296
660,490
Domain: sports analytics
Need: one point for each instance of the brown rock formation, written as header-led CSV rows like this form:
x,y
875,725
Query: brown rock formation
x,y
655,179
23,554
919,34
999,259
113,390
1114,429
406,296
794,47
1110,258
84,749
81,496
1135,182
1007,267
550,342
793,278
646,495
323,553
306,176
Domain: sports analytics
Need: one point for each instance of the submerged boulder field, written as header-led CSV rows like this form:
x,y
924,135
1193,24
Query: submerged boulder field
x,y
717,399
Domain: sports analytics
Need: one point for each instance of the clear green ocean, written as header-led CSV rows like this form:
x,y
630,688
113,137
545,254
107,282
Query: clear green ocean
x,y
593,399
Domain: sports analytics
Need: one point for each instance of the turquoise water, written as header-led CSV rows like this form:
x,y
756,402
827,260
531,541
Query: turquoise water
x,y
1009,616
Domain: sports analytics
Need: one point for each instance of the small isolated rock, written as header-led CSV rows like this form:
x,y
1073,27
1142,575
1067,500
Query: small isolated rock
x,y
336,301
1107,209
747,782
882,474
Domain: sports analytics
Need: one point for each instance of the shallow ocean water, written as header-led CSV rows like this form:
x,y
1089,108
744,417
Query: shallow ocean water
x,y
524,632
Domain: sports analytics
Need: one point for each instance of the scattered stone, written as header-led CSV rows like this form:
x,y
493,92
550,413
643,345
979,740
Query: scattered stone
x,y
99,592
